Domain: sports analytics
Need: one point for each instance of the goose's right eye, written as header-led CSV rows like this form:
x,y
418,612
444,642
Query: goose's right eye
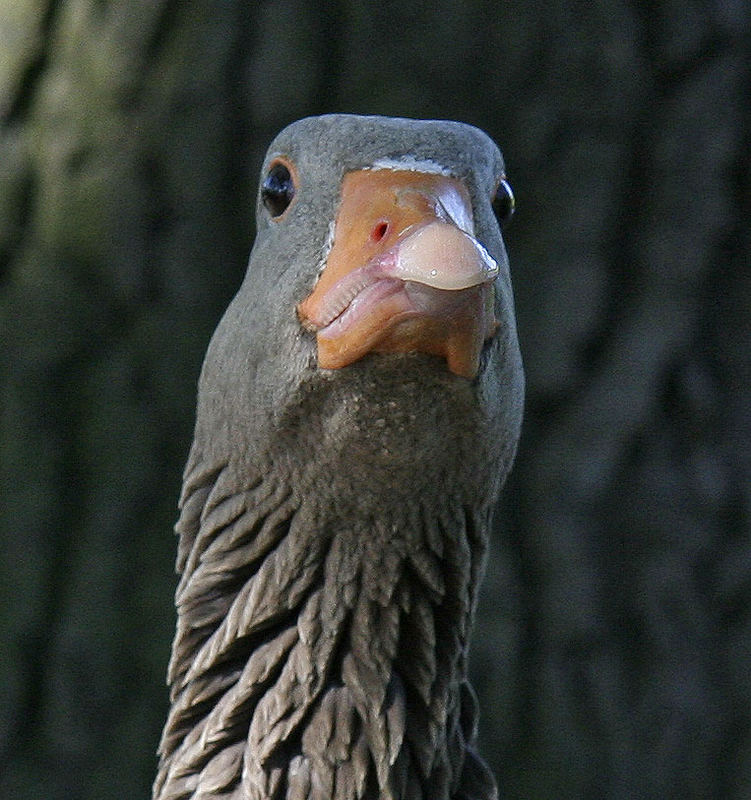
x,y
277,189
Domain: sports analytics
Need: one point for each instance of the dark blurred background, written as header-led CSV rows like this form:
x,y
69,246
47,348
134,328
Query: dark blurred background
x,y
613,644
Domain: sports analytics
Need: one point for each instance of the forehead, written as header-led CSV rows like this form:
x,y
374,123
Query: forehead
x,y
329,146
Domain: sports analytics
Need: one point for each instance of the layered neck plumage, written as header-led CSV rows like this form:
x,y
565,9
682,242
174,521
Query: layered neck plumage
x,y
320,653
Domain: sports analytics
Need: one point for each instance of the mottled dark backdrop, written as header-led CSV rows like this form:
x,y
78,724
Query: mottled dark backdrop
x,y
613,646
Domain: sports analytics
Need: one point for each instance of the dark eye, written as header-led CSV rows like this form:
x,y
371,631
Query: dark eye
x,y
503,202
277,189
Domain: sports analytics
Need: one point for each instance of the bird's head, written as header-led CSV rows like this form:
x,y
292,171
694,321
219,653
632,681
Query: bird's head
x,y
378,266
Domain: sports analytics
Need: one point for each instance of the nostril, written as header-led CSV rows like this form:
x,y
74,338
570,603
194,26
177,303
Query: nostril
x,y
379,231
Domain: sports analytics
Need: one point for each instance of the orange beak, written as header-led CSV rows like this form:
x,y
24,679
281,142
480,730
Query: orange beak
x,y
404,273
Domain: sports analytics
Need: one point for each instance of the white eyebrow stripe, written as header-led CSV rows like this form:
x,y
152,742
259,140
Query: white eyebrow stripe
x,y
411,164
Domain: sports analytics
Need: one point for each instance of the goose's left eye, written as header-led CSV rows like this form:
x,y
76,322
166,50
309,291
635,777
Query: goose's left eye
x,y
277,189
503,202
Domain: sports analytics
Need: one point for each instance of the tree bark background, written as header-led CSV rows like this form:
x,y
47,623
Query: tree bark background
x,y
613,639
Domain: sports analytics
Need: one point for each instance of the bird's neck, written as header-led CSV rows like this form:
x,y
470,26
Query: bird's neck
x,y
317,647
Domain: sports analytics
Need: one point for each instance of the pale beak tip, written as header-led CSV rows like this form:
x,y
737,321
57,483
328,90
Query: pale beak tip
x,y
442,256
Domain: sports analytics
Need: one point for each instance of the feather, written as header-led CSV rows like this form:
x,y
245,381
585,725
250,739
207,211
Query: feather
x,y
221,772
277,587
298,779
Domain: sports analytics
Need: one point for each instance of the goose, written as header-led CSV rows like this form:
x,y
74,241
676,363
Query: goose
x,y
358,411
